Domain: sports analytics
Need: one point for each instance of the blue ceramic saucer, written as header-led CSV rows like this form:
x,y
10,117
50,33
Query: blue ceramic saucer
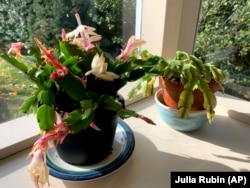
x,y
123,147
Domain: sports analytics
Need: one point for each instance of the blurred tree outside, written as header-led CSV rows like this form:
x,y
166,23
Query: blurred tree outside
x,y
12,22
21,20
223,37
46,19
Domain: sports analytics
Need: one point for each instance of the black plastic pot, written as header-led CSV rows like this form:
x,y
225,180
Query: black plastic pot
x,y
90,146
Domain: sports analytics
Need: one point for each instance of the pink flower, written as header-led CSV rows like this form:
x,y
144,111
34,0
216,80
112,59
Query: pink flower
x,y
61,129
55,135
57,74
94,126
61,70
63,35
87,34
148,120
41,144
38,170
131,47
16,48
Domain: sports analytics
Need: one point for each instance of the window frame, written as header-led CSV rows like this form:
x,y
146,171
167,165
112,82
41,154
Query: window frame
x,y
164,35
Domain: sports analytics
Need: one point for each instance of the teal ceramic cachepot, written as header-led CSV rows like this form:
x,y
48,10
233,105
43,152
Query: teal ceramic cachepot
x,y
194,121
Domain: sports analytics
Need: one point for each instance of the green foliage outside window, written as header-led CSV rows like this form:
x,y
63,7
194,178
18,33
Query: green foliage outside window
x,y
21,20
224,38
225,25
12,22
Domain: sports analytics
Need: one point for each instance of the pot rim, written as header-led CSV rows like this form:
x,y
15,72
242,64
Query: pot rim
x,y
159,101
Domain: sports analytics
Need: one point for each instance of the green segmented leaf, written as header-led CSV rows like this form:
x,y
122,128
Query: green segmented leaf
x,y
110,103
197,62
181,54
78,120
221,74
188,75
47,97
167,72
135,74
214,73
45,117
185,102
207,73
70,50
15,63
210,101
27,105
133,92
73,86
218,74
148,86
87,106
125,113
64,50
210,115
73,117
123,67
186,98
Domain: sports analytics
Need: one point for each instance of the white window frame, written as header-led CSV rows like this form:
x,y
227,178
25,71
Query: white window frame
x,y
166,25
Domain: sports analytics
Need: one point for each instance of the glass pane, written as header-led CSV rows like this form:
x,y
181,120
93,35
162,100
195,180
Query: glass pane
x,y
224,38
20,20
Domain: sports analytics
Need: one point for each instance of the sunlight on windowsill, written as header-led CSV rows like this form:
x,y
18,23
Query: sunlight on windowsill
x,y
21,133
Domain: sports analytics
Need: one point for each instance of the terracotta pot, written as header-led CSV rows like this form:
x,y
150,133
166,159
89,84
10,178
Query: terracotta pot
x,y
172,91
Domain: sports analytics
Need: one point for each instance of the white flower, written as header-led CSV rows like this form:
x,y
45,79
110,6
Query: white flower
x,y
86,33
99,69
38,170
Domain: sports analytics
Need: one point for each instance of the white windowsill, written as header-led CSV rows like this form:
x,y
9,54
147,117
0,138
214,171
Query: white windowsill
x,y
21,133
25,130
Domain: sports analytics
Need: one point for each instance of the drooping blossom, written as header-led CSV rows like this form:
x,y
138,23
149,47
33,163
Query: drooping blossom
x,y
38,170
86,33
131,47
146,119
63,35
94,126
61,70
55,135
99,69
16,48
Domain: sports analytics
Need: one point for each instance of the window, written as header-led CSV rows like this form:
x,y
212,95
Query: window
x,y
114,20
223,38
167,26
162,38
33,17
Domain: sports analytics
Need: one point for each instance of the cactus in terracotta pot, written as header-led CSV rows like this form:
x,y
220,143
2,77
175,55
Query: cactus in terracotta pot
x,y
186,72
